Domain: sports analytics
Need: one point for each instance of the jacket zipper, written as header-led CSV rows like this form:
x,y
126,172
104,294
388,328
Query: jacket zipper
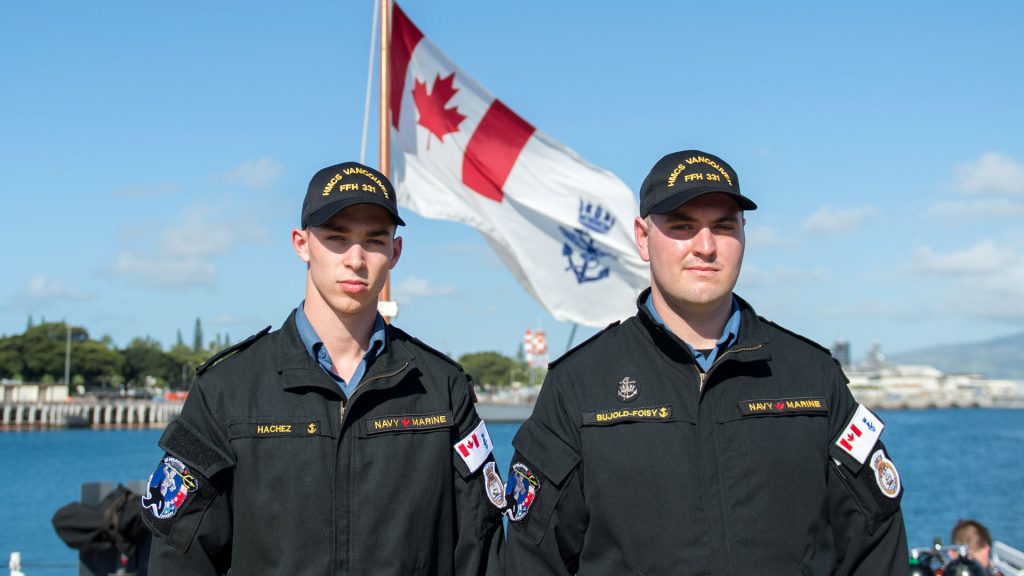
x,y
704,375
341,427
341,405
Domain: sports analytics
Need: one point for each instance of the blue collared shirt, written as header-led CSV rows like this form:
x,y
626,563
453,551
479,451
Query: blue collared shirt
x,y
318,352
727,339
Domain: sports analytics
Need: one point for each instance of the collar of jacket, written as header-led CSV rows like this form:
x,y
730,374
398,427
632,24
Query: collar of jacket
x,y
299,370
751,343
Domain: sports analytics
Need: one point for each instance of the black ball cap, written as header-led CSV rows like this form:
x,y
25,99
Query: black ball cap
x,y
682,176
337,187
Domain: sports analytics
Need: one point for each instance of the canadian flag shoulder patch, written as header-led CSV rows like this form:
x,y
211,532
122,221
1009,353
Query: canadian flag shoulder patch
x,y
860,434
475,447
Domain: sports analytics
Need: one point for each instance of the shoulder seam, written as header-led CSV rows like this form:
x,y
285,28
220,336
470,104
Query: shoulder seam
x,y
800,337
579,346
216,358
435,352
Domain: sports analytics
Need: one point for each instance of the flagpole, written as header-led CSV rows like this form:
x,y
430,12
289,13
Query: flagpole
x,y
384,139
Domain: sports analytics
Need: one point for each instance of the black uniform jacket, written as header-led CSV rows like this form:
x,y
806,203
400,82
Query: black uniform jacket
x,y
292,479
642,464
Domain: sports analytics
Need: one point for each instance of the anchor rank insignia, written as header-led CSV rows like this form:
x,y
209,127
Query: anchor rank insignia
x,y
628,390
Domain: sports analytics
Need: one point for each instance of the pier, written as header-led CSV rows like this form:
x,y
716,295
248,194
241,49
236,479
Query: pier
x,y
87,414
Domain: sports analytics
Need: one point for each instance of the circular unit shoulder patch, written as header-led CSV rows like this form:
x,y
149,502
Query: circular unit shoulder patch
x,y
493,485
886,475
520,491
169,487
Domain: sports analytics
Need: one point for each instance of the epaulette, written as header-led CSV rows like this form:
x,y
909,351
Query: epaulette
x,y
425,346
212,360
800,337
582,344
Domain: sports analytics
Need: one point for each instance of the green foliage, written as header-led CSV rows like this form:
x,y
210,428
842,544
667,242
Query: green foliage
x,y
39,351
38,355
492,369
197,337
97,362
144,358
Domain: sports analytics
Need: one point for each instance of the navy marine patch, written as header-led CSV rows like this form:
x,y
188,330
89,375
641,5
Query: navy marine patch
x,y
812,405
407,422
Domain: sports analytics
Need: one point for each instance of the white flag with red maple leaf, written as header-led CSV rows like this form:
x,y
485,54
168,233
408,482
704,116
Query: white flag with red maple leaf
x,y
563,227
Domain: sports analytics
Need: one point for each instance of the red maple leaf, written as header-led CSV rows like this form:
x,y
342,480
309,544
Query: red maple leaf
x,y
434,116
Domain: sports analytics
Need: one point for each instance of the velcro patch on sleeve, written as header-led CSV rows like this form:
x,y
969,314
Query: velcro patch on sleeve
x,y
475,447
520,491
860,434
170,486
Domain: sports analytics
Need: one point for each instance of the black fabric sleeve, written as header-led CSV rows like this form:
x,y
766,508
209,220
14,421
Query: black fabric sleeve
x,y
864,502
480,544
548,538
196,537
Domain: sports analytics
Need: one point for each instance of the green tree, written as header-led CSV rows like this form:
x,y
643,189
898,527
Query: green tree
x,y
98,363
143,357
11,364
489,368
197,337
42,349
186,360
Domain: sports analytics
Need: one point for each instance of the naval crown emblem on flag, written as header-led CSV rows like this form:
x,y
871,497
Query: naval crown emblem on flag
x,y
562,226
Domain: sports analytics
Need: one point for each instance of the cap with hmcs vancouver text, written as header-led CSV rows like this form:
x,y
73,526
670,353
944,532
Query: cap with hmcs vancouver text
x,y
682,176
337,187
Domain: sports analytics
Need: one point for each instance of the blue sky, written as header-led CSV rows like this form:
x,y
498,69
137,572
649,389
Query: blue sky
x,y
154,157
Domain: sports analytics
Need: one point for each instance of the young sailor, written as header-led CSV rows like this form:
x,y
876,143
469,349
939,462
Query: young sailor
x,y
337,444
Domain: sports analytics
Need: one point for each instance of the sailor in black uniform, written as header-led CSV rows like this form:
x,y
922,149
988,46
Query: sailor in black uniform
x,y
697,438
337,444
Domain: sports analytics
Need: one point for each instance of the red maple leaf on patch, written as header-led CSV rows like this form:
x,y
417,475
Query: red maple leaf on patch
x,y
434,116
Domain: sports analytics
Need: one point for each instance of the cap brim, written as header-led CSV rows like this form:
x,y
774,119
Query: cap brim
x,y
327,212
676,200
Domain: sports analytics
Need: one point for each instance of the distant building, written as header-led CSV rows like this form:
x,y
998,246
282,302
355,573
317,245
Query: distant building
x,y
841,352
32,392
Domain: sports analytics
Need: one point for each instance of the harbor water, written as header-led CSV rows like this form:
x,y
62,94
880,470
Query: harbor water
x,y
953,464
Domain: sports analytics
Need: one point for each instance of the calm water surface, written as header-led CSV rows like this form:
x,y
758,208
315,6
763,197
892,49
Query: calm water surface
x,y
953,463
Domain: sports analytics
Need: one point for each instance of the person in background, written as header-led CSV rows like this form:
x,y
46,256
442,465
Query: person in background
x,y
976,537
697,438
337,444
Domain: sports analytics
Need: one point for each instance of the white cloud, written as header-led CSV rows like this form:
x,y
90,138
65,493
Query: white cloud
x,y
779,277
762,237
992,173
881,310
989,278
994,296
184,254
985,257
982,209
44,288
259,173
412,288
828,222
165,270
